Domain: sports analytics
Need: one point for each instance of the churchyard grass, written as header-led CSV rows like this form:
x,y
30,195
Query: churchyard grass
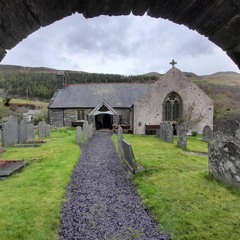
x,y
30,201
182,198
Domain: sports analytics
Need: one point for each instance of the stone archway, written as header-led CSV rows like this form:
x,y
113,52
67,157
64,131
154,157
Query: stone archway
x,y
215,19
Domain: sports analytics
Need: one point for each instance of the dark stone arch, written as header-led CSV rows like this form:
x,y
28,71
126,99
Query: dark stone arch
x,y
218,20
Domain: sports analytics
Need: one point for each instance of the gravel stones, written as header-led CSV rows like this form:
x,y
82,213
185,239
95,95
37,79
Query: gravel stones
x,y
101,202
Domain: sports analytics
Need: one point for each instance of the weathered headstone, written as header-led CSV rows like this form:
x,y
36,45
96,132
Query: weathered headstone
x,y
237,135
207,134
224,159
120,137
42,129
166,132
230,127
23,131
47,130
169,133
10,132
30,132
78,135
90,130
85,131
182,136
129,158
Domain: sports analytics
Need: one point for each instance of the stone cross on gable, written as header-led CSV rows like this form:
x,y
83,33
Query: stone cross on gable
x,y
173,63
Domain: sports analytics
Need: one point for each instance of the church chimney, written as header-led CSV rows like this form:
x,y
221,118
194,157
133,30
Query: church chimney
x,y
61,79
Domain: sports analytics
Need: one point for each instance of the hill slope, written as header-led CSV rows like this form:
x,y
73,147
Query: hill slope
x,y
222,87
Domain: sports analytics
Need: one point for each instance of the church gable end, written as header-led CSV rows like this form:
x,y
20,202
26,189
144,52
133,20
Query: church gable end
x,y
173,98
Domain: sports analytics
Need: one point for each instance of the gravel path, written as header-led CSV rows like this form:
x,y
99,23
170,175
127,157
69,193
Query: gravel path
x,y
101,201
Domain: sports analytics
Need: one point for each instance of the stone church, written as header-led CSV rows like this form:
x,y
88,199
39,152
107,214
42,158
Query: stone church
x,y
172,98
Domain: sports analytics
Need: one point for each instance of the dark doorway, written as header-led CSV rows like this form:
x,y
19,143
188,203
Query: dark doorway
x,y
103,121
107,121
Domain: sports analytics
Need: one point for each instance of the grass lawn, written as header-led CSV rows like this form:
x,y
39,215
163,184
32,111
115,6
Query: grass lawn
x,y
181,196
30,201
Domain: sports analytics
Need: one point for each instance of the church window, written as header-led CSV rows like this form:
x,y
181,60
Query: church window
x,y
80,115
172,108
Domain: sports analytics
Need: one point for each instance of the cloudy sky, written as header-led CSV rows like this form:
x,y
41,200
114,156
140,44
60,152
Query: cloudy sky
x,y
126,45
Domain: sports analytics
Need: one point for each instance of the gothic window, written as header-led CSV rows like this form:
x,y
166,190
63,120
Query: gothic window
x,y
81,115
172,107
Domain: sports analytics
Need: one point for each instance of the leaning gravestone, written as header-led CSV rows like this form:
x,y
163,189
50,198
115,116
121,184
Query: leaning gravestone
x,y
85,131
23,131
10,132
128,156
78,135
182,136
120,137
30,132
207,134
42,129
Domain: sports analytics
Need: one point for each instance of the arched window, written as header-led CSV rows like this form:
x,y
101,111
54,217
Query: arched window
x,y
172,108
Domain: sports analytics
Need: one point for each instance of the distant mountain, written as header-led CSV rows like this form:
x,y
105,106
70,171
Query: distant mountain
x,y
15,68
222,87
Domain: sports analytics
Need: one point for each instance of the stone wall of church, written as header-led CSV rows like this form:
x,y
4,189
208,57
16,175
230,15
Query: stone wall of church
x,y
55,117
64,118
149,107
124,116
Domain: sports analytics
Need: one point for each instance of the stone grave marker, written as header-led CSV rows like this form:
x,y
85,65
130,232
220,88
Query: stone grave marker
x,y
182,136
169,132
128,156
78,135
85,131
30,132
120,137
23,131
230,127
10,132
42,129
223,161
207,133
237,133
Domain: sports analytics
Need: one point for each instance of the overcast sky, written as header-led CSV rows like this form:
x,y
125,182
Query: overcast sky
x,y
126,45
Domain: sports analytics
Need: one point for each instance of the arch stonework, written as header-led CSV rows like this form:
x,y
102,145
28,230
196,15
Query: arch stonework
x,y
218,20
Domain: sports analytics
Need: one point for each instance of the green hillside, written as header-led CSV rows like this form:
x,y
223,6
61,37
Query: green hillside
x,y
41,83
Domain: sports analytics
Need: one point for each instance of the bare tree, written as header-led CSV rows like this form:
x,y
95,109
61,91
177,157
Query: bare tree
x,y
192,116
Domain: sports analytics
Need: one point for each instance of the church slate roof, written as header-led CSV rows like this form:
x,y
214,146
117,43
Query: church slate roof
x,y
117,95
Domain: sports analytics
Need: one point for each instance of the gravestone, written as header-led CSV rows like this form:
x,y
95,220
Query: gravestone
x,y
237,135
128,156
23,131
85,131
10,132
47,130
230,127
166,132
30,132
120,137
224,159
78,135
90,130
207,133
169,132
182,136
41,129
